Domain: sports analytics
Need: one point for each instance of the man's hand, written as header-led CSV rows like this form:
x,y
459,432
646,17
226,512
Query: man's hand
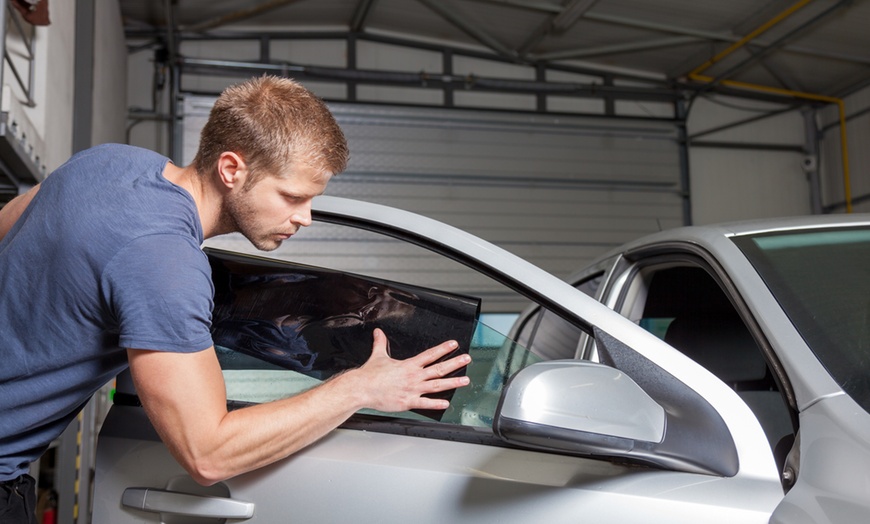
x,y
390,385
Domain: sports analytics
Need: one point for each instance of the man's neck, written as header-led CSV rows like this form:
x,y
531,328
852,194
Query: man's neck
x,y
206,197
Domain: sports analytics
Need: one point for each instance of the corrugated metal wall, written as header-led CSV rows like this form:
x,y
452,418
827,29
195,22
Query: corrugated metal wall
x,y
557,191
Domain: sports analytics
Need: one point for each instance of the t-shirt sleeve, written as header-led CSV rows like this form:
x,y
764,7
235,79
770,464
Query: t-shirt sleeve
x,y
160,292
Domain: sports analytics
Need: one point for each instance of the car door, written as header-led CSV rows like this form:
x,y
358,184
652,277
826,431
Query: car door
x,y
453,468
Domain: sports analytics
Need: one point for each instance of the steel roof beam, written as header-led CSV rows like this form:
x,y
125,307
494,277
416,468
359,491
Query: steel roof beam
x,y
557,23
719,37
616,49
449,12
360,13
531,5
778,43
241,14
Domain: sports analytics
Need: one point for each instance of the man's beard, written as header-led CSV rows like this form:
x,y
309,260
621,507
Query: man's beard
x,y
240,218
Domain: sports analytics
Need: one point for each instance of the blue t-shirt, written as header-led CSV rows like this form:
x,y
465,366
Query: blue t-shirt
x,y
106,257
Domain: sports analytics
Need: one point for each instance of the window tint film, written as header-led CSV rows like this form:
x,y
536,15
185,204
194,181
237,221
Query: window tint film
x,y
388,276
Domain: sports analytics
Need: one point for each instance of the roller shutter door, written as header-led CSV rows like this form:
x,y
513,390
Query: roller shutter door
x,y
555,190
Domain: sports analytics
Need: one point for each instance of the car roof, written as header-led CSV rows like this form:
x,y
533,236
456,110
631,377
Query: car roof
x,y
708,234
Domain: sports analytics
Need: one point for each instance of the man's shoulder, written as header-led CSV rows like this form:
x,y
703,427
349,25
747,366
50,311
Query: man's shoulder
x,y
120,151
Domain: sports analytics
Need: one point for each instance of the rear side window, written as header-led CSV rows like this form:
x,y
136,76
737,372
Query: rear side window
x,y
548,335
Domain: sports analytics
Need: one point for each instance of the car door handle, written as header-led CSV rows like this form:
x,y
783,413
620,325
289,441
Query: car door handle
x,y
161,501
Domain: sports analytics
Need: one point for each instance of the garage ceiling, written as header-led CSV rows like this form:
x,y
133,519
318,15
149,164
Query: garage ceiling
x,y
810,46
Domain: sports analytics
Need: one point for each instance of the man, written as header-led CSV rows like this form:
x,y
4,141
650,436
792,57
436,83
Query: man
x,y
101,266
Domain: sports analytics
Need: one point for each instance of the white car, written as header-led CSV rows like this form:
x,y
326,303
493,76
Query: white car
x,y
586,412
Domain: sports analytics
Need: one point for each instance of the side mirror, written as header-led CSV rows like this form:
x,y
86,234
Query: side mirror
x,y
581,408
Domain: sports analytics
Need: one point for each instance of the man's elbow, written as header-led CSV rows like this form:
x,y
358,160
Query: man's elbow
x,y
205,471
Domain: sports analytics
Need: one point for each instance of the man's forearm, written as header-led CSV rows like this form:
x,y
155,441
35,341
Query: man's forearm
x,y
255,436
213,444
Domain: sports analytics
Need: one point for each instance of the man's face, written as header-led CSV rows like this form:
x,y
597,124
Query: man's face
x,y
274,208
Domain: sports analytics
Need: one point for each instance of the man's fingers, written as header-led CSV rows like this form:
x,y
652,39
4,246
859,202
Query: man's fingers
x,y
431,403
435,353
444,384
447,367
380,344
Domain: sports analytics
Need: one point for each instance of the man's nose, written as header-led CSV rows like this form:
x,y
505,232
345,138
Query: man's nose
x,y
302,216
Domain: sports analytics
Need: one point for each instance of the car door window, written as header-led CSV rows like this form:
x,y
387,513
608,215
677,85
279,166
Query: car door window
x,y
282,366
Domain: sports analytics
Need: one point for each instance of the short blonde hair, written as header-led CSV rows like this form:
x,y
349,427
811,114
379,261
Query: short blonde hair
x,y
272,122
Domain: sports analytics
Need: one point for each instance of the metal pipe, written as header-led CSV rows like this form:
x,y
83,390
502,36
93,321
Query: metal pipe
x,y
466,82
174,81
682,111
748,145
811,134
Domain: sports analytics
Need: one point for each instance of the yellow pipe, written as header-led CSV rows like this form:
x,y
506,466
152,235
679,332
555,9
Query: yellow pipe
x,y
743,41
841,106
695,75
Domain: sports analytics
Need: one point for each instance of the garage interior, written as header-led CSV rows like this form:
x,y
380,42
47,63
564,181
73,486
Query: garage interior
x,y
556,129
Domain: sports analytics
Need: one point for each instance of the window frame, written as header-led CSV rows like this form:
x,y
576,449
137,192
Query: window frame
x,y
675,253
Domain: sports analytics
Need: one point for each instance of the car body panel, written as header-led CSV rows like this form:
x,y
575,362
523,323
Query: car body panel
x,y
374,477
833,481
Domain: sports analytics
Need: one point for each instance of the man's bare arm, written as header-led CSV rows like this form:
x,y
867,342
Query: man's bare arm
x,y
185,398
13,209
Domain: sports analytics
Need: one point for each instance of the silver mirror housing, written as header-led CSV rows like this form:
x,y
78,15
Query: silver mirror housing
x,y
580,407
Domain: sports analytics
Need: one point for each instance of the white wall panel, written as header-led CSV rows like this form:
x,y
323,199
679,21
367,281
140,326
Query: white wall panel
x,y
732,184
738,184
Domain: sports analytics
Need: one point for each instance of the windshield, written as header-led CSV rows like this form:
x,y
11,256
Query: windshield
x,y
822,280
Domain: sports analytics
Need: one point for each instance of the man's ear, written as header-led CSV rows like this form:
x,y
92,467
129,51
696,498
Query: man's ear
x,y
232,169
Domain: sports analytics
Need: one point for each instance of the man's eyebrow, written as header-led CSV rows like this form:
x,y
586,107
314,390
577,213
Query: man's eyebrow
x,y
295,194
